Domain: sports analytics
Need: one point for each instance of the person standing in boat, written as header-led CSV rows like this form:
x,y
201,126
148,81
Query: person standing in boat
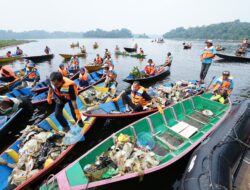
x,y
31,74
47,50
63,70
83,49
206,59
64,90
139,98
7,74
106,54
222,87
83,78
19,51
135,46
169,60
150,68
111,76
74,62
98,60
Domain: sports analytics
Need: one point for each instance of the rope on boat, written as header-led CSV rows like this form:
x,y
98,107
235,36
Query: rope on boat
x,y
52,184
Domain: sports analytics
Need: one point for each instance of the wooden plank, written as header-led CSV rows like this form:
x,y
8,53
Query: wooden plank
x,y
188,132
179,127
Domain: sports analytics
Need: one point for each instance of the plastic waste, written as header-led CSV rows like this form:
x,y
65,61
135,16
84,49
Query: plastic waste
x,y
145,140
123,138
207,112
73,136
110,173
47,162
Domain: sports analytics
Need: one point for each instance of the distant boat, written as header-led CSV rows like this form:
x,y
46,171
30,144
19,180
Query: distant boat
x,y
68,56
39,58
233,58
187,46
130,50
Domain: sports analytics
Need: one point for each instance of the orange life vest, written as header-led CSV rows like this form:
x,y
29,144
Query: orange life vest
x,y
84,76
208,52
111,65
7,72
64,90
150,69
98,60
75,61
112,75
32,73
136,97
223,85
64,72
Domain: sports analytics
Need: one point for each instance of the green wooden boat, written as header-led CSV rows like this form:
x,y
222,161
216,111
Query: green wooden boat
x,y
122,53
174,133
140,56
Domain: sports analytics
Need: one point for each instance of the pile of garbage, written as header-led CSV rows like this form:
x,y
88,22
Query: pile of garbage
x,y
93,97
125,156
175,92
38,148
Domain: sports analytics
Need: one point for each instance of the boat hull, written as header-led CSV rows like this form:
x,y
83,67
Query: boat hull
x,y
68,56
233,58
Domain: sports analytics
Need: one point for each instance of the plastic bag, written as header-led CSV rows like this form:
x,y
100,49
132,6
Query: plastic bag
x,y
73,136
145,140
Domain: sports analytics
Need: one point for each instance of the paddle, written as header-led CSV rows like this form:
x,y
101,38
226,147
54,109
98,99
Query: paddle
x,y
208,88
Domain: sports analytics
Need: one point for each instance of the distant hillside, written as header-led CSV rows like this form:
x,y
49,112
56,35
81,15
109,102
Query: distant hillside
x,y
235,30
99,33
38,34
140,36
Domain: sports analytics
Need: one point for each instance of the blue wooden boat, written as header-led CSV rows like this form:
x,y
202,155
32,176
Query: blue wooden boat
x,y
20,92
48,124
43,85
8,86
95,78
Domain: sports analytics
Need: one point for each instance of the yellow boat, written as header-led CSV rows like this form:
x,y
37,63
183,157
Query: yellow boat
x,y
68,56
93,67
4,59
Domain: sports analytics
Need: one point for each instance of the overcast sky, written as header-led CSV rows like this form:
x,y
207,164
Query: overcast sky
x,y
140,16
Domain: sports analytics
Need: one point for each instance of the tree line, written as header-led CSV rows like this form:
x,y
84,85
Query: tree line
x,y
235,30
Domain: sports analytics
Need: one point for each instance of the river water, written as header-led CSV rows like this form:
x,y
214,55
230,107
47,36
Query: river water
x,y
186,65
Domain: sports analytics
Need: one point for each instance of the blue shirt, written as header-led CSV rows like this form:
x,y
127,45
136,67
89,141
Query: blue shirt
x,y
208,50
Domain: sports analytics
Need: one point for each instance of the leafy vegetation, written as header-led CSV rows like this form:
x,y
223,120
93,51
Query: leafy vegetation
x,y
5,43
99,33
235,30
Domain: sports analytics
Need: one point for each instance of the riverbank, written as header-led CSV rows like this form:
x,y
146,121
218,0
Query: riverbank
x,y
6,43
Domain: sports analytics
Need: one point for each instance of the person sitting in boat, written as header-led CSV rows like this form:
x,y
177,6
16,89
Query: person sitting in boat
x,y
98,59
8,54
19,51
117,49
32,74
110,62
150,68
74,62
110,76
139,98
63,70
222,87
47,50
7,74
169,60
83,78
141,51
64,91
83,49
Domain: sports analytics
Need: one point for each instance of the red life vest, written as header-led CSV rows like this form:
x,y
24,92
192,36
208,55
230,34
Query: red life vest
x,y
150,69
98,60
32,73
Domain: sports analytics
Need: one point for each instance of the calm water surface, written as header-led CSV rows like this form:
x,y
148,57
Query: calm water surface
x,y
186,65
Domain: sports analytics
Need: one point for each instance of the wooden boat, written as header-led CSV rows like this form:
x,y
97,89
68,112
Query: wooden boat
x,y
43,85
68,56
122,53
130,50
74,45
39,58
4,59
95,46
220,48
172,135
20,92
95,78
8,86
233,58
139,56
222,155
118,109
187,46
93,67
48,124
150,79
